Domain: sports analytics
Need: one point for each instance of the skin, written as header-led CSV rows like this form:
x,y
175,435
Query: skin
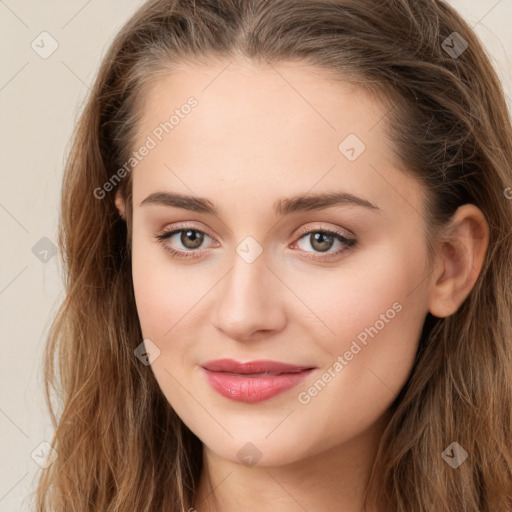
x,y
259,134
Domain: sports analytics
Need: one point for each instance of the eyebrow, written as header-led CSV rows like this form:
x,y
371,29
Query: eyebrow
x,y
284,206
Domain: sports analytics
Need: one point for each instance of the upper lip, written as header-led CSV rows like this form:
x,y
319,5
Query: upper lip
x,y
249,367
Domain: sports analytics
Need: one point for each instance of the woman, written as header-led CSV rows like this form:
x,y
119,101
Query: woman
x,y
286,237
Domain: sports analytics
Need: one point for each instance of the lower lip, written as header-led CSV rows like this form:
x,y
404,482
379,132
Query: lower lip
x,y
253,389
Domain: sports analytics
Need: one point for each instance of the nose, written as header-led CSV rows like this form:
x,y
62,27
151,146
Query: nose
x,y
249,301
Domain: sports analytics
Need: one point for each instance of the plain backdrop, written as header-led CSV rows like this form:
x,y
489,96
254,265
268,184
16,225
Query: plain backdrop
x,y
40,99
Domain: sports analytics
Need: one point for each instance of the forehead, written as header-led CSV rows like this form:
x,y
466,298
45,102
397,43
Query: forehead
x,y
283,127
255,97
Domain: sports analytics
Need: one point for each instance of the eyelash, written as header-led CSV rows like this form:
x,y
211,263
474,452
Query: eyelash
x,y
192,253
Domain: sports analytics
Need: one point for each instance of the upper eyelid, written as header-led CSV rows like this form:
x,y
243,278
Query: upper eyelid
x,y
183,226
342,231
178,227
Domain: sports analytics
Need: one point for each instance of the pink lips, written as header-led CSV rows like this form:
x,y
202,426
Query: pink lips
x,y
253,381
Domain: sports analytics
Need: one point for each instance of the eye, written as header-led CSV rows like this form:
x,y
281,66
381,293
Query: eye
x,y
322,240
189,237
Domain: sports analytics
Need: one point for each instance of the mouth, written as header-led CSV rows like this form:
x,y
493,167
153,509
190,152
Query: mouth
x,y
255,368
253,381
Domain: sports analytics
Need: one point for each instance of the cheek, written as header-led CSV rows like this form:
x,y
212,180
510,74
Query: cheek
x,y
366,289
376,316
156,288
164,291
165,298
149,286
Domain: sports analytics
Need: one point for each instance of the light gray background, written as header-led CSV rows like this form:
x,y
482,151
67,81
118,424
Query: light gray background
x,y
39,101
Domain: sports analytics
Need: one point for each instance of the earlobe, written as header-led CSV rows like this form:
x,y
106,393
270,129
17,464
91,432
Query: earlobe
x,y
120,204
459,260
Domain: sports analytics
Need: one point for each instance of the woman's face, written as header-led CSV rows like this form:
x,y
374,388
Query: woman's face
x,y
257,151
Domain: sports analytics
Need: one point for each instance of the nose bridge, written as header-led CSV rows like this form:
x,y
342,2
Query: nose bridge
x,y
248,299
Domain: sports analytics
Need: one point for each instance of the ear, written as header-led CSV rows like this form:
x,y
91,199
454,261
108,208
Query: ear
x,y
459,260
120,204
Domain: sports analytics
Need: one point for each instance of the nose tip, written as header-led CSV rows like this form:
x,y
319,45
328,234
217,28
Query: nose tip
x,y
247,302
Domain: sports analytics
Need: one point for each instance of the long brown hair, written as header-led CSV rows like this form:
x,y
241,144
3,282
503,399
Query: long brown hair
x,y
120,445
